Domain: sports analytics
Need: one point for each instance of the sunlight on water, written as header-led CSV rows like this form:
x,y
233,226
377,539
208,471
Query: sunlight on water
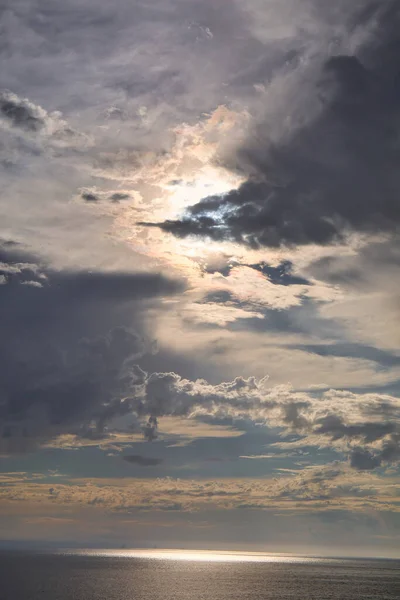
x,y
200,555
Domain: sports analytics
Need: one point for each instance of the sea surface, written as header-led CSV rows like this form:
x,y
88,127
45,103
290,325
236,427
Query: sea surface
x,y
113,576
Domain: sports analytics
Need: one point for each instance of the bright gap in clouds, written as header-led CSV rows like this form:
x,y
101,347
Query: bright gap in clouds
x,y
213,182
177,195
170,184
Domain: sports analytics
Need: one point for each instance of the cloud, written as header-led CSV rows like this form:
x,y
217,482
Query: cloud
x,y
21,114
150,428
89,197
389,452
77,390
363,460
365,426
94,195
69,348
216,313
281,274
142,461
333,486
334,173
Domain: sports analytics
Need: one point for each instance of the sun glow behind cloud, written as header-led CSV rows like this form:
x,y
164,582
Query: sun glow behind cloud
x,y
167,184
209,181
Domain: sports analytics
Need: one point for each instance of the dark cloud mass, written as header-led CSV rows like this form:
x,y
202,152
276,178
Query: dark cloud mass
x,y
363,460
336,174
68,347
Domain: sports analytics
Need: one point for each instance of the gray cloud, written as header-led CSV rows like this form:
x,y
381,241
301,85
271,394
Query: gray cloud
x,y
143,461
282,274
21,113
351,350
118,196
115,197
334,174
88,42
89,197
69,346
363,460
337,429
150,428
366,427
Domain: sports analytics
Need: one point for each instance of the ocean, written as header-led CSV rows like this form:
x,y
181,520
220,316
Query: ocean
x,y
123,576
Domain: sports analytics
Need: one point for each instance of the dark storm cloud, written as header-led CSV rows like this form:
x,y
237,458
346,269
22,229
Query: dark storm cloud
x,y
48,389
68,347
335,174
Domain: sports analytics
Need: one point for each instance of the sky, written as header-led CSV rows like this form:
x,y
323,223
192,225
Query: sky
x,y
199,253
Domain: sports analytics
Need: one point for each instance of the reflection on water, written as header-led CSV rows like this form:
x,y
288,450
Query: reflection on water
x,y
202,555
187,575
